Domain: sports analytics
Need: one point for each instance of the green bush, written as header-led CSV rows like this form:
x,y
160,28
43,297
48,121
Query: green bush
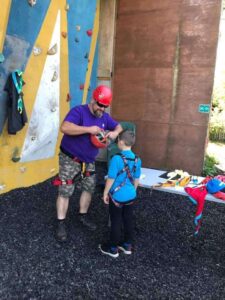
x,y
217,132
209,168
217,117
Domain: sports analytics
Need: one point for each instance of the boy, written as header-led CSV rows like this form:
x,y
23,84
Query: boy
x,y
120,193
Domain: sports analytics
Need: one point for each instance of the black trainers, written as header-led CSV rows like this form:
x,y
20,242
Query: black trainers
x,y
111,251
61,233
126,248
85,220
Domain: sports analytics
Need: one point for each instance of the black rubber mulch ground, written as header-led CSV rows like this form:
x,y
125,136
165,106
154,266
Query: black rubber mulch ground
x,y
168,262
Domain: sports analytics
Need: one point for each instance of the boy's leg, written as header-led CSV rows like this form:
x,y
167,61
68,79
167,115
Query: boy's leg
x,y
115,232
128,223
127,216
116,223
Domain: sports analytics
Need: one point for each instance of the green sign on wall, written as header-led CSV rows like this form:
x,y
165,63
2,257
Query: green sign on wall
x,y
204,108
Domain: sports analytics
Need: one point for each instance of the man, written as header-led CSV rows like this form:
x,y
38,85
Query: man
x,y
78,153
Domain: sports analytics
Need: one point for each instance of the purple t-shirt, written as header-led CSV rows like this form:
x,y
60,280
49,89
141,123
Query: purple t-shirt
x,y
80,145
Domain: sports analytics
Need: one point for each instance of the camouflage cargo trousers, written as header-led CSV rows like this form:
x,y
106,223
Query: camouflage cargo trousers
x,y
69,169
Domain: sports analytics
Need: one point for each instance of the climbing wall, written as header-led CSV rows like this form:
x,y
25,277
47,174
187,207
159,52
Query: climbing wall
x,y
54,43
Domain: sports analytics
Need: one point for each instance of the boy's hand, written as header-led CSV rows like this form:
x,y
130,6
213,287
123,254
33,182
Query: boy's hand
x,y
106,199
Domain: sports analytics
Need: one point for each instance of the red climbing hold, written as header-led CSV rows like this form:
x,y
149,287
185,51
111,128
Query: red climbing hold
x,y
89,32
81,86
68,98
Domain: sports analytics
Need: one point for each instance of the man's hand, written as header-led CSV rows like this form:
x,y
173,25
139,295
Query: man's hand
x,y
106,198
112,135
94,129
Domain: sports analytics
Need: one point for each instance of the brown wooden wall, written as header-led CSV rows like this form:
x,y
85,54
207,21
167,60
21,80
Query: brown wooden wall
x,y
163,69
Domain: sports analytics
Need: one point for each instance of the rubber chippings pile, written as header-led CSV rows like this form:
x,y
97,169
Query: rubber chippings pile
x,y
168,261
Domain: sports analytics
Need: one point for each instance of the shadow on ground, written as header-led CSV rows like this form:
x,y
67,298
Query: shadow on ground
x,y
168,262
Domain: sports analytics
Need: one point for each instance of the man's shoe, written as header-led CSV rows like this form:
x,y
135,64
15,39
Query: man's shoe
x,y
111,251
126,248
61,233
85,220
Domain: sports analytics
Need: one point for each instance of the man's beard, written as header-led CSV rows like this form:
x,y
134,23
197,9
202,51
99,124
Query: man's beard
x,y
98,113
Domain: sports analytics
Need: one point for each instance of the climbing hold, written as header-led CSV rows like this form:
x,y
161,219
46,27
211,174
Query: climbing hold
x,y
52,170
2,187
36,50
76,40
2,58
53,50
67,7
33,138
86,55
89,32
89,89
81,86
23,169
55,76
78,27
53,109
15,155
64,34
68,98
32,2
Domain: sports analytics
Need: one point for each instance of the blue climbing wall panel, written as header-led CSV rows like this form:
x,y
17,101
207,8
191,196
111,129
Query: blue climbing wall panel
x,y
80,21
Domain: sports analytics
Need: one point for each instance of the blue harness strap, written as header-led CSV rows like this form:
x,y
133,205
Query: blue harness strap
x,y
127,170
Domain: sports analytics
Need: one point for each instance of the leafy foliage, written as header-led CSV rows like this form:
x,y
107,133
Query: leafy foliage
x,y
217,120
209,168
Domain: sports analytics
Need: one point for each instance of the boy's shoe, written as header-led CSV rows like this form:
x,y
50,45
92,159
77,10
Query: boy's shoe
x,y
85,220
61,233
126,248
111,251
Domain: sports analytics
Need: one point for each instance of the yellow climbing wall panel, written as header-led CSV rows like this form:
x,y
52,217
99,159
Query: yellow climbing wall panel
x,y
5,9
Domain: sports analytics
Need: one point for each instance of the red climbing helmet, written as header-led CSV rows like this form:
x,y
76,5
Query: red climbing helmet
x,y
103,95
99,140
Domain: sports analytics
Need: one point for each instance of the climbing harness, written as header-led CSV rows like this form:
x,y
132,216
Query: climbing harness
x,y
127,170
82,174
